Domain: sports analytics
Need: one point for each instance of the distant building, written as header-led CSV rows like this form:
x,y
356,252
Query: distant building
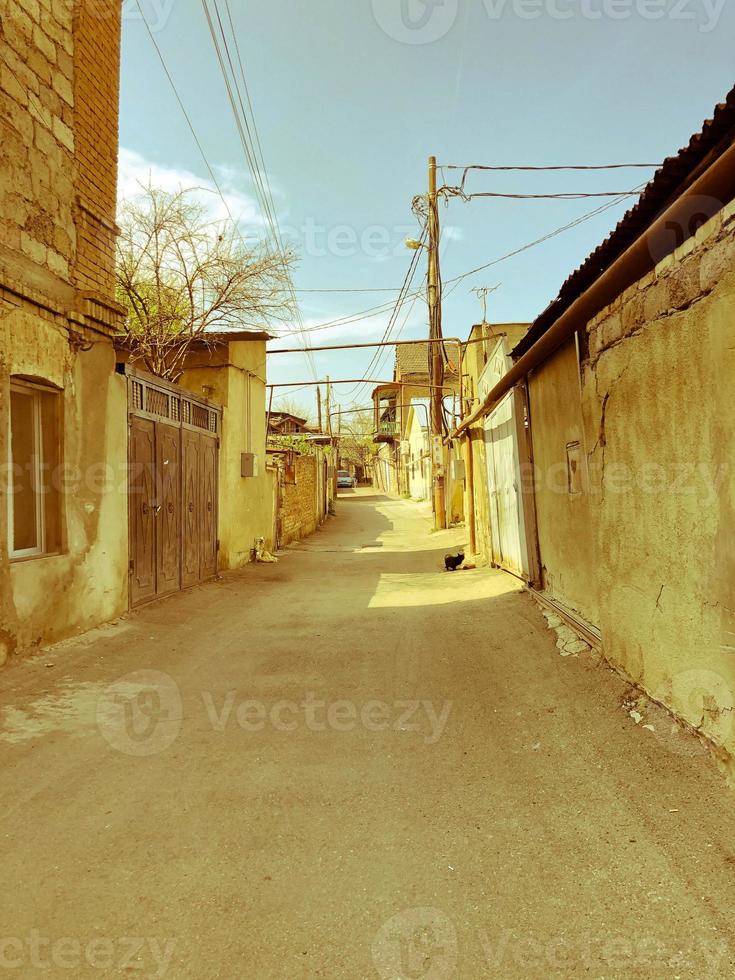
x,y
285,424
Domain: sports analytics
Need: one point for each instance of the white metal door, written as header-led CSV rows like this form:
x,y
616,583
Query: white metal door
x,y
501,453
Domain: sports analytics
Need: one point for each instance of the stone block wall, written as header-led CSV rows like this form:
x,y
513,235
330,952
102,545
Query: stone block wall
x,y
299,513
59,82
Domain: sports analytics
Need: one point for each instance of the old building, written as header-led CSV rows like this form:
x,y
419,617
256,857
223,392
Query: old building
x,y
493,450
393,404
627,378
230,369
285,424
63,525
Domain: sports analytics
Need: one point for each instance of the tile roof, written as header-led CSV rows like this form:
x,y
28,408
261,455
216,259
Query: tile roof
x,y
413,359
669,181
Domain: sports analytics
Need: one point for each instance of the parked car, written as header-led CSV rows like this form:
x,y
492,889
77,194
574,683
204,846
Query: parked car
x,y
346,479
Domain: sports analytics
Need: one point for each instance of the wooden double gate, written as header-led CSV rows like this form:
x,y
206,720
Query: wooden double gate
x,y
173,487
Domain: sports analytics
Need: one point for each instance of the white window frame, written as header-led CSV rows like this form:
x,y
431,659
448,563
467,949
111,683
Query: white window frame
x,y
40,549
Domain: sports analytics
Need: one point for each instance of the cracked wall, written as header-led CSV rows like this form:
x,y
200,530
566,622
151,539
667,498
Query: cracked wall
x,y
59,70
648,555
566,537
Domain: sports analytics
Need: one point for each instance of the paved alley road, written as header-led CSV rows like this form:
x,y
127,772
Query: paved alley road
x,y
351,765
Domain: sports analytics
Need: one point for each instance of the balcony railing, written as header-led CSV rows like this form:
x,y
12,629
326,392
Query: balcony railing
x,y
386,432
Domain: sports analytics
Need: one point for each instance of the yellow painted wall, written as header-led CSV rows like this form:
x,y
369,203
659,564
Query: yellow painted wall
x,y
385,474
565,532
658,387
46,599
418,465
233,375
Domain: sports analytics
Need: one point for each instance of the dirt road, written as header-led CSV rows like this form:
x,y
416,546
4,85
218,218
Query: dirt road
x,y
351,765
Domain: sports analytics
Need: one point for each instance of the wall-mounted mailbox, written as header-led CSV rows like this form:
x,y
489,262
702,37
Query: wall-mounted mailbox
x,y
248,464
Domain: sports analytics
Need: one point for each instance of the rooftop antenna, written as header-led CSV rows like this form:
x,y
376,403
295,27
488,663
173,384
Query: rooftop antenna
x,y
482,293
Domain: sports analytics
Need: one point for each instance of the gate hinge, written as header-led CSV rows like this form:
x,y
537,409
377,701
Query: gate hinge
x,y
131,566
217,544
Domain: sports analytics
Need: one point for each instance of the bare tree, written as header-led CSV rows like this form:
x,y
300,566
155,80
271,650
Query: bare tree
x,y
356,442
181,276
291,406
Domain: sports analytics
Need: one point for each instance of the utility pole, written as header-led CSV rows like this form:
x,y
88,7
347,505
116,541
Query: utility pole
x,y
319,407
329,410
436,374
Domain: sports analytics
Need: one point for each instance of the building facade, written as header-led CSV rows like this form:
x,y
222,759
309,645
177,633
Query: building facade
x,y
63,519
627,380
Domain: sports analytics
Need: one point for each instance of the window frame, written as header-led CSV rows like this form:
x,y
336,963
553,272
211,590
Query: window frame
x,y
36,393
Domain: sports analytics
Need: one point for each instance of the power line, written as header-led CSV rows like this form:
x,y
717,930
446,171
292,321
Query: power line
x,y
601,166
566,196
186,115
245,132
374,311
539,241
403,295
368,289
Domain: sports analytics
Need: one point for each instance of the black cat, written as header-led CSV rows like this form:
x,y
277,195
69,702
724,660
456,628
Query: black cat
x,y
452,562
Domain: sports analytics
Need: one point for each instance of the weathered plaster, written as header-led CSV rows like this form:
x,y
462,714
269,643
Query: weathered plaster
x,y
225,374
657,400
566,535
48,598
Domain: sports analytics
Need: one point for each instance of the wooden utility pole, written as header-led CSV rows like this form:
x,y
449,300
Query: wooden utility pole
x,y
436,374
329,410
319,408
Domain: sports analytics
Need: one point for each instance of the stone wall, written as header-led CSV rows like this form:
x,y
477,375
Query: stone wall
x,y
59,68
37,144
299,515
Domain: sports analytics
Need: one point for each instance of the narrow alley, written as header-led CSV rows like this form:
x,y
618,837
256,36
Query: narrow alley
x,y
352,764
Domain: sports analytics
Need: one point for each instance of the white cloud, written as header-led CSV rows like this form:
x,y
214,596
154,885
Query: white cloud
x,y
135,170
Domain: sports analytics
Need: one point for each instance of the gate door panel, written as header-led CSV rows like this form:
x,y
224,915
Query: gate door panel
x,y
174,467
192,508
142,502
208,507
168,509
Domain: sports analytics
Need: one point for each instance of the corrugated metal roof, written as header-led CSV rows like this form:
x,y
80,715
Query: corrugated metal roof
x,y
668,183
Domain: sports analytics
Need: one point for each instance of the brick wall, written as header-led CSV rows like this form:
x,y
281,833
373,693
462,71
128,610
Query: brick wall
x,y
299,508
36,132
59,91
96,100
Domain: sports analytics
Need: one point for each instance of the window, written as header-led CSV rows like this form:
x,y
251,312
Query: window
x,y
34,518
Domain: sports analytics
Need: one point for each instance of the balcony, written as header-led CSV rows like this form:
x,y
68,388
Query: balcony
x,y
386,431
385,400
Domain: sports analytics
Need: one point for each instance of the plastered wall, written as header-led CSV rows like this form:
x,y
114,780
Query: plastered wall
x,y
566,536
233,375
46,599
657,388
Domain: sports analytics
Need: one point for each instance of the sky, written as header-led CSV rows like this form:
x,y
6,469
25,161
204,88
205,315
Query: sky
x,y
351,97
